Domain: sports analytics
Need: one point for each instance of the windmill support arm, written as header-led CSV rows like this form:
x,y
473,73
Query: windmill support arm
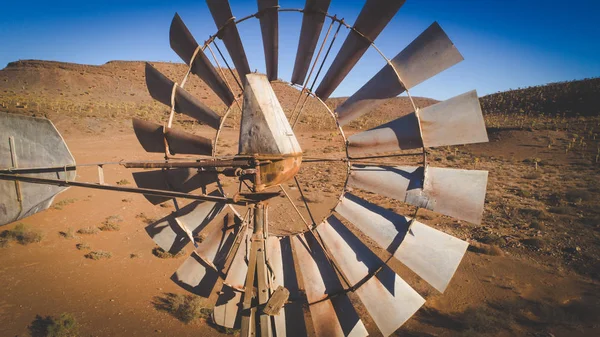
x,y
240,199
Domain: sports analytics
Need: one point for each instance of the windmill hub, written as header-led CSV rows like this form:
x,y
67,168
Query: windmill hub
x,y
266,134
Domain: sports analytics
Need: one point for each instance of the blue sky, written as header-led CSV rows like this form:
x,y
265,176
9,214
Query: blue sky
x,y
506,44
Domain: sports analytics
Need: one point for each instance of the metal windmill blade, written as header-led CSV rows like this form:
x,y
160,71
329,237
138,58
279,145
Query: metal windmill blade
x,y
269,28
228,32
30,143
313,17
167,92
429,54
184,44
373,18
431,254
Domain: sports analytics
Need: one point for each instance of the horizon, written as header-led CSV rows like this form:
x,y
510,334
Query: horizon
x,y
503,49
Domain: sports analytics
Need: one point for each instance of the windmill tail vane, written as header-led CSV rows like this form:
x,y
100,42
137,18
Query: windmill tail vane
x,y
261,282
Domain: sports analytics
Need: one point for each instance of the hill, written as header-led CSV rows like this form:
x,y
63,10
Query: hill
x,y
580,97
117,91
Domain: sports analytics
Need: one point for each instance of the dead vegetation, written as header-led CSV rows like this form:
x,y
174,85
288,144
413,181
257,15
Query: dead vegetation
x,y
21,234
98,255
162,254
186,308
64,325
111,224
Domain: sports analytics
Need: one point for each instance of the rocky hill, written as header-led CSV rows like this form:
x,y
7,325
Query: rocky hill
x,y
117,91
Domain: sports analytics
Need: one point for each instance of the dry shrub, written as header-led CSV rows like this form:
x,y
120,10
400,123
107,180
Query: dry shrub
x,y
483,248
123,182
484,320
161,253
537,225
111,224
532,175
562,210
63,326
68,234
88,230
98,254
22,234
83,246
185,308
534,242
59,205
578,195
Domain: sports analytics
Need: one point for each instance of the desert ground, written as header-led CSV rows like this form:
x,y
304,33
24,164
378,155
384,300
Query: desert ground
x,y
533,268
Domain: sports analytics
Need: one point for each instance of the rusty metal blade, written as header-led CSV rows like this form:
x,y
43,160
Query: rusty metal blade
x,y
160,88
196,276
399,134
30,142
181,142
199,273
228,32
269,27
331,316
312,24
151,136
432,254
373,18
226,312
179,179
458,120
429,54
184,44
171,233
290,321
275,262
388,298
454,192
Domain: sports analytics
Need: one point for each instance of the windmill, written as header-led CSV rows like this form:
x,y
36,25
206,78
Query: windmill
x,y
296,284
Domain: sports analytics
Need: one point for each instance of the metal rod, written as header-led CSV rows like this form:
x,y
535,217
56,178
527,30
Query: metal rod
x,y
294,205
228,67
305,203
160,193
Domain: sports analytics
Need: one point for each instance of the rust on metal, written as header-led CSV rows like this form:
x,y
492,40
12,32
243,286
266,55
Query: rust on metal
x,y
331,316
277,301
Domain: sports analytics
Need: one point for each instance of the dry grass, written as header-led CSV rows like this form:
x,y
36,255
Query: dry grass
x,y
161,253
123,182
186,308
64,325
61,204
22,234
68,234
83,246
90,230
111,224
486,249
98,254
